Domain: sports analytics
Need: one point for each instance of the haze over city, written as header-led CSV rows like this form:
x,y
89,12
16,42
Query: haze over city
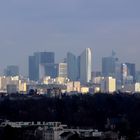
x,y
61,26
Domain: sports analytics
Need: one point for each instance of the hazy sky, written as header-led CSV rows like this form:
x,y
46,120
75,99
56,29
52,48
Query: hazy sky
x,y
27,26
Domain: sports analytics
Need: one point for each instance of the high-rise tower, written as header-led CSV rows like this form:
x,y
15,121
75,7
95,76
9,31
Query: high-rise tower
x,y
86,65
72,66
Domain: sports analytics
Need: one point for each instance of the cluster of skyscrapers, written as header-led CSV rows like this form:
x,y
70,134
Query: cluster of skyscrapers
x,y
79,68
42,64
74,73
124,73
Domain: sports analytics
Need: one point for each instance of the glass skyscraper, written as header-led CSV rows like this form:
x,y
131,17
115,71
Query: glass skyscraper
x,y
86,66
72,66
108,66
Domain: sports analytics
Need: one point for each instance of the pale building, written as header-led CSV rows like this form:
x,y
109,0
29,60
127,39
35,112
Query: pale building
x,y
108,84
84,90
86,66
4,81
77,86
69,86
61,80
22,86
73,86
97,89
46,80
137,87
62,70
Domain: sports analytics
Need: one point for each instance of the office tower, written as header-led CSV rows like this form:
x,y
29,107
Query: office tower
x,y
131,70
62,70
86,66
71,66
11,70
33,68
41,64
108,66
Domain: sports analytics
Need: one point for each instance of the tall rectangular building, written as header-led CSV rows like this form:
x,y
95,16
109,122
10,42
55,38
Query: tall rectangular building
x,y
72,66
33,70
86,66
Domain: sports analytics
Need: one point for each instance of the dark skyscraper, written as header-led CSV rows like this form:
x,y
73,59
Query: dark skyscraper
x,y
41,64
72,66
109,65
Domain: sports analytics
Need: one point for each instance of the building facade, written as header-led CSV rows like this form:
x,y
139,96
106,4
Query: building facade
x,y
62,70
108,66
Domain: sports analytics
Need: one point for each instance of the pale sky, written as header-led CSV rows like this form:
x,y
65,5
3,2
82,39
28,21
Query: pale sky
x,y
27,26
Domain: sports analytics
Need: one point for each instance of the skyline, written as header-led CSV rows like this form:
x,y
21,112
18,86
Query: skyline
x,y
68,26
64,59
71,60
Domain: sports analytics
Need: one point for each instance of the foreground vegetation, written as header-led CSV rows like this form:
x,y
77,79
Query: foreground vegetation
x,y
100,111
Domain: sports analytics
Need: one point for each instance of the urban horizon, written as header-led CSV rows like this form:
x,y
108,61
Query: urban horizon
x,y
23,70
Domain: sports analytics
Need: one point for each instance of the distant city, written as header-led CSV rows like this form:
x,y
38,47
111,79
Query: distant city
x,y
74,74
